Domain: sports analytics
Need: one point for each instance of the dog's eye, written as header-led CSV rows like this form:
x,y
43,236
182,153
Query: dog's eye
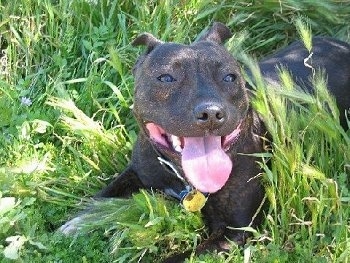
x,y
166,78
229,78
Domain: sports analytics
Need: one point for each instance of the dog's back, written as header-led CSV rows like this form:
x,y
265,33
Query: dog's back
x,y
327,54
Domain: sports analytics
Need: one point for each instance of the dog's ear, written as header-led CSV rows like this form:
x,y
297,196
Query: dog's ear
x,y
147,39
218,33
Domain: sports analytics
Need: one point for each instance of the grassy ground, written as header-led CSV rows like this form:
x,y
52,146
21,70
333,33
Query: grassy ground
x,y
66,127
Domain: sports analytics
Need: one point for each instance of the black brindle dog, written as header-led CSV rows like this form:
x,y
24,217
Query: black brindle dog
x,y
194,114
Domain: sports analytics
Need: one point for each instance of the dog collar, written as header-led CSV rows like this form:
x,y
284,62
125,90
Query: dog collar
x,y
190,198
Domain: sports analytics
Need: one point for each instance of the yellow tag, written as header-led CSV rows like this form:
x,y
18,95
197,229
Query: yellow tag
x,y
194,201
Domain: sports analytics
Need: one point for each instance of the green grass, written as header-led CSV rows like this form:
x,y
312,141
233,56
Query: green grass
x,y
66,127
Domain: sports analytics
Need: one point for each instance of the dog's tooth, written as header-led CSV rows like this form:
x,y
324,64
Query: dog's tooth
x,y
178,148
176,143
173,139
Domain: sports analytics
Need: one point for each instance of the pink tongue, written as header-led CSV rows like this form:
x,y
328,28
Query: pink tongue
x,y
205,164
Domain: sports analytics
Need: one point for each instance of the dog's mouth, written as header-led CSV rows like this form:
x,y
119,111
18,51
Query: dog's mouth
x,y
204,160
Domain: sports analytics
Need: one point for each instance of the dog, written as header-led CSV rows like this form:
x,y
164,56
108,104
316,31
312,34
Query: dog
x,y
192,105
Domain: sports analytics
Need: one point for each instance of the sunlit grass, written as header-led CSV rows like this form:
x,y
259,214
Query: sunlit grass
x,y
310,155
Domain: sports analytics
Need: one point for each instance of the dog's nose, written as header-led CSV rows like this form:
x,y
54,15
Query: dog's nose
x,y
209,115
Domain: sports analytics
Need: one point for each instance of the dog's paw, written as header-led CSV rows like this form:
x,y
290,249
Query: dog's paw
x,y
72,226
178,258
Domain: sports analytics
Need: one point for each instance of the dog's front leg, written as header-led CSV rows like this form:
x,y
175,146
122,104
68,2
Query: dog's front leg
x,y
216,242
124,185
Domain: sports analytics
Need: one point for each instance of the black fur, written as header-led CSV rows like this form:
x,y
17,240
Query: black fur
x,y
198,90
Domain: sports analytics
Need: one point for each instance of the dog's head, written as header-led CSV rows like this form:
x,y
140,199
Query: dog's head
x,y
191,101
